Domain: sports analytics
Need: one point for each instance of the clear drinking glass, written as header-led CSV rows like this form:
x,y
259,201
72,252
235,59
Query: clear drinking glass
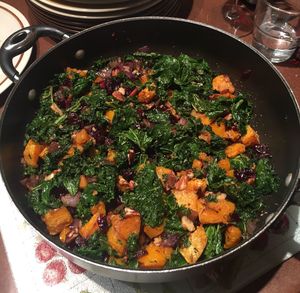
x,y
239,17
277,28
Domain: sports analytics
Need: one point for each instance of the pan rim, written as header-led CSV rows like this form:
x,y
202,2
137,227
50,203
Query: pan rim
x,y
226,254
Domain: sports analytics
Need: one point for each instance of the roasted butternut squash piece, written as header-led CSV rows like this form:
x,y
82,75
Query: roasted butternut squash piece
x,y
156,256
232,135
224,164
206,136
215,212
153,232
32,152
57,219
161,172
220,130
44,152
202,117
195,184
204,157
83,182
235,149
87,230
99,208
109,115
198,241
124,227
114,240
230,173
251,137
186,198
63,234
144,78
222,84
233,236
197,164
146,95
111,156
81,137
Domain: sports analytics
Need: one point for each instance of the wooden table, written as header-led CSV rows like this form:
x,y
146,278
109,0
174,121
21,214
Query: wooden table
x,y
282,279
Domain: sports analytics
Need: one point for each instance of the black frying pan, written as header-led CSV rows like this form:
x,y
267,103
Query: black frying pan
x,y
277,115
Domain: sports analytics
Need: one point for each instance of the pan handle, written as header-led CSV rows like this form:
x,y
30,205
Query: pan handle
x,y
22,40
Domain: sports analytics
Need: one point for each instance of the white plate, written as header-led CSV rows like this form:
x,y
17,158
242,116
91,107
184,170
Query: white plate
x,y
97,2
99,16
87,9
11,21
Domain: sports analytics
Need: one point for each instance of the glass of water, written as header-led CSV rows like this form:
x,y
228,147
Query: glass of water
x,y
277,28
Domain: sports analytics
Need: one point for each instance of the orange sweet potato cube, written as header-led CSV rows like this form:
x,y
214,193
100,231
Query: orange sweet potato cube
x,y
115,241
224,164
87,230
32,152
57,219
202,117
153,232
83,182
126,226
198,241
81,137
156,256
235,149
109,115
223,84
251,137
233,236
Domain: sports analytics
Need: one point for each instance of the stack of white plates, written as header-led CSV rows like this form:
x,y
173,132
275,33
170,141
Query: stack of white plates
x,y
75,15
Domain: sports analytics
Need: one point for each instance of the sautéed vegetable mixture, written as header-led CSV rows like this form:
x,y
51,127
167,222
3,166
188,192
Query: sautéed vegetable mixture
x,y
146,161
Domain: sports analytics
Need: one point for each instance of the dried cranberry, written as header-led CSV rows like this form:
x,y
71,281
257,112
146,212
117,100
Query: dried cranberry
x,y
108,141
111,84
262,150
235,217
102,223
72,210
244,174
174,119
73,118
62,97
140,113
127,174
169,240
151,153
98,133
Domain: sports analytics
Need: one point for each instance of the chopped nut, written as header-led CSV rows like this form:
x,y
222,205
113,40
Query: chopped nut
x,y
187,224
